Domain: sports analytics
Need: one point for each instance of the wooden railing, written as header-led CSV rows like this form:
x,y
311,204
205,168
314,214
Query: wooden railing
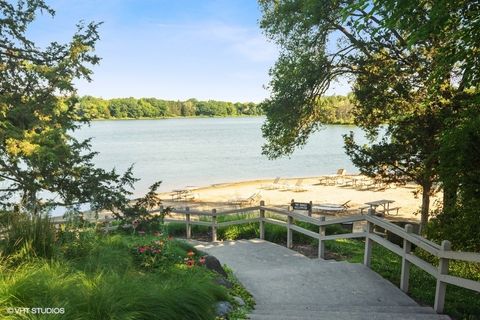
x,y
442,252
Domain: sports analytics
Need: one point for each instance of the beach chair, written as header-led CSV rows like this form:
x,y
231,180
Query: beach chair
x,y
332,207
297,187
334,178
272,186
246,201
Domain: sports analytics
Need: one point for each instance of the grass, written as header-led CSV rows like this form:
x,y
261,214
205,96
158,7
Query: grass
x,y
185,294
98,277
27,237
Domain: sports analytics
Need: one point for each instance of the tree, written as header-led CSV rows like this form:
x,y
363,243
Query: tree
x,y
460,167
396,98
41,164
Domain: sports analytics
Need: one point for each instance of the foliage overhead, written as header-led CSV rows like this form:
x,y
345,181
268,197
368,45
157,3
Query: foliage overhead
x,y
41,163
406,75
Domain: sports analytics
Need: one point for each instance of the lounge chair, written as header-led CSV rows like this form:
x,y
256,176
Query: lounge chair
x,y
334,178
272,186
245,201
297,187
332,207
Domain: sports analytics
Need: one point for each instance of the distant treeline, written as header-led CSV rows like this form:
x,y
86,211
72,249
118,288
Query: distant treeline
x,y
124,108
338,109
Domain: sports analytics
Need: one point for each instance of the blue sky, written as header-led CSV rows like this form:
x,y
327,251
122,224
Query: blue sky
x,y
171,49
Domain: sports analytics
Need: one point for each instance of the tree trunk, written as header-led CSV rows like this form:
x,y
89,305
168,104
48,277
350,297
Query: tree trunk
x,y
425,211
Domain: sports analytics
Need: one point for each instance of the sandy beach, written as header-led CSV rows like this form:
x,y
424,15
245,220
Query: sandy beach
x,y
220,196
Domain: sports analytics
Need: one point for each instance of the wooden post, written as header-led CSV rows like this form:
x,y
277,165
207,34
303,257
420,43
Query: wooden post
x,y
188,225
214,225
441,286
321,243
407,247
367,258
289,232
262,220
310,208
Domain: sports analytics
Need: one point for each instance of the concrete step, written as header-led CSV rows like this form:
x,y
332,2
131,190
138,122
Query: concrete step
x,y
287,285
305,310
322,284
347,315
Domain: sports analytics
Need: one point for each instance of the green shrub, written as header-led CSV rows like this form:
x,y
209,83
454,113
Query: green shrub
x,y
27,237
75,243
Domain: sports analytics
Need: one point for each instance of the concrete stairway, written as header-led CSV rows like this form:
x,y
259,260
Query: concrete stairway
x,y
287,285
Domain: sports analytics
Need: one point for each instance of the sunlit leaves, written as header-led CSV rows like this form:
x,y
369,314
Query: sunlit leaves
x,y
41,164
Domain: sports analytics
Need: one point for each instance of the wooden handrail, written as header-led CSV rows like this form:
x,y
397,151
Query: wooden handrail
x,y
442,252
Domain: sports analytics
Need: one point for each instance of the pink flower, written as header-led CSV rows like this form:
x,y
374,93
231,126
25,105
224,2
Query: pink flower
x,y
190,263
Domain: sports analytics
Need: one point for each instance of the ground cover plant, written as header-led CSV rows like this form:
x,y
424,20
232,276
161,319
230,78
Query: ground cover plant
x,y
98,276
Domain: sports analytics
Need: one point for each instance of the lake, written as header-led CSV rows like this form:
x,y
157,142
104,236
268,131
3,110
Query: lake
x,y
202,151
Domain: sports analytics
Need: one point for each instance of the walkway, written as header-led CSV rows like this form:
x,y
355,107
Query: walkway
x,y
289,286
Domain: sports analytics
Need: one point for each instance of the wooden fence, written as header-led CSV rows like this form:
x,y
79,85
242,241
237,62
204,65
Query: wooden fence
x,y
442,252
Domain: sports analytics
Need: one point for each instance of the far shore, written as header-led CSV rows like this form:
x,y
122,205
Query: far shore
x,y
205,117
220,196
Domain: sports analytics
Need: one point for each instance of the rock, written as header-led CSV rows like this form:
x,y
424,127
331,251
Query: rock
x,y
239,301
212,263
223,282
222,308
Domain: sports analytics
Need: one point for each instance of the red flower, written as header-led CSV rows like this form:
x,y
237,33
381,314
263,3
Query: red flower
x,y
201,260
141,249
190,263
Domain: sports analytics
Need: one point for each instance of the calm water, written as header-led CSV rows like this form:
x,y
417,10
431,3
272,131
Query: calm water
x,y
202,151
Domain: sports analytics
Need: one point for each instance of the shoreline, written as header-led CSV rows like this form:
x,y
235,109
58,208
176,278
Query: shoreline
x,y
220,195
207,117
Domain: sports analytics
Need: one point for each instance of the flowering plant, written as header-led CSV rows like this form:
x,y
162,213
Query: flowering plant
x,y
165,252
192,261
153,255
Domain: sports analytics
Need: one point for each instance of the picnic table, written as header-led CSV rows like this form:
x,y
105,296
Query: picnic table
x,y
373,205
181,194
